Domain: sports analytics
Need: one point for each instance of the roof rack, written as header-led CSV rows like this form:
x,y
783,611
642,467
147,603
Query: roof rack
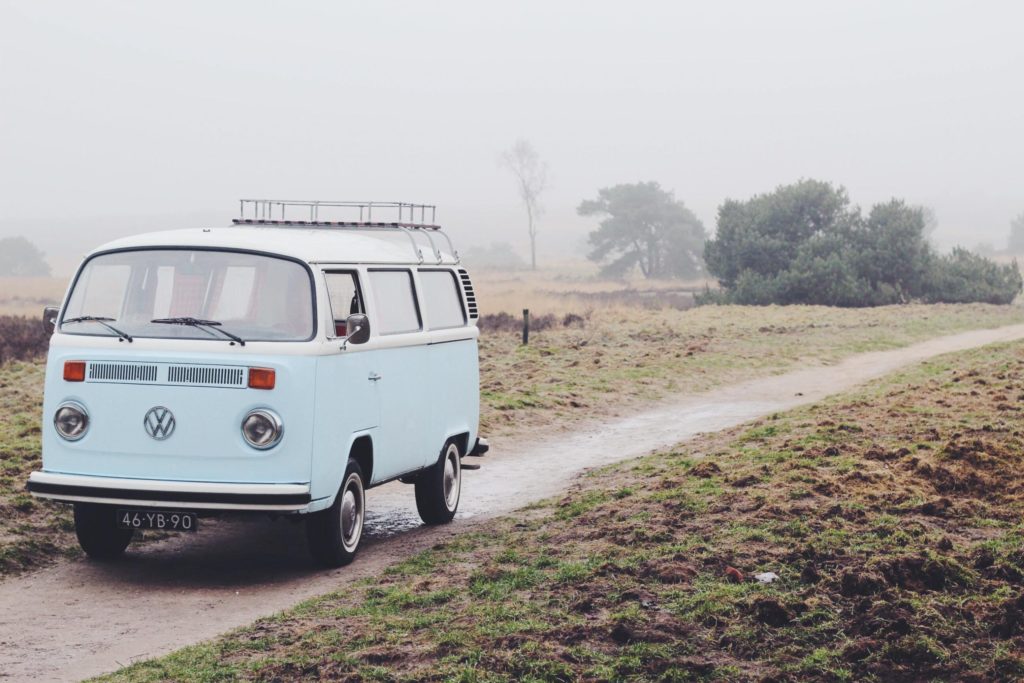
x,y
398,216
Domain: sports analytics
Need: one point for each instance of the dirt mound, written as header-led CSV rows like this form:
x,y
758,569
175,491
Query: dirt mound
x,y
771,612
705,469
921,573
852,582
981,453
1008,620
668,570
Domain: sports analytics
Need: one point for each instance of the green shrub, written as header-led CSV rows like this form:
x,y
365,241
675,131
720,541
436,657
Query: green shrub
x,y
805,244
963,277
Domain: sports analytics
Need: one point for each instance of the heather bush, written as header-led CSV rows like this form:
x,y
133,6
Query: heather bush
x,y
22,338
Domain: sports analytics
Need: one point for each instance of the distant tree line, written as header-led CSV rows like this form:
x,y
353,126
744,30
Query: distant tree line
x,y
804,243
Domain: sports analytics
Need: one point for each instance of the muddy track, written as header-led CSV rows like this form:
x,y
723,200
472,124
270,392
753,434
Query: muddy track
x,y
78,619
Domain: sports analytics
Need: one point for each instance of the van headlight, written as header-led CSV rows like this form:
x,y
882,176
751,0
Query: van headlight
x,y
71,420
262,428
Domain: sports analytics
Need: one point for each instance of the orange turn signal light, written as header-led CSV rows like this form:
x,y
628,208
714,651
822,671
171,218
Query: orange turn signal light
x,y
262,378
74,371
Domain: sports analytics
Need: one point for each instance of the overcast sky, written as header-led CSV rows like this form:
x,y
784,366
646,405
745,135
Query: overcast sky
x,y
116,116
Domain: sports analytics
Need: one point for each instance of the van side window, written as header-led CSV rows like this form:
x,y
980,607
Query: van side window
x,y
346,299
441,299
395,300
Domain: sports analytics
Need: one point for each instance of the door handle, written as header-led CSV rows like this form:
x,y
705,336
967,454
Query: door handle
x,y
374,376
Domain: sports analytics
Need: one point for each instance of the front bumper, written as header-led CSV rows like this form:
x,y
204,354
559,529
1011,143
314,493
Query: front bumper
x,y
189,495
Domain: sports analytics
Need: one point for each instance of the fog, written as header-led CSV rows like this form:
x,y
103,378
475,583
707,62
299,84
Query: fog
x,y
120,116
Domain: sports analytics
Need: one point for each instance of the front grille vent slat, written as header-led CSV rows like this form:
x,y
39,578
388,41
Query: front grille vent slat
x,y
206,375
467,288
135,373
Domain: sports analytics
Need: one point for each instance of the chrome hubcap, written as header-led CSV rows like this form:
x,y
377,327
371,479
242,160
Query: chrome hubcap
x,y
452,479
352,512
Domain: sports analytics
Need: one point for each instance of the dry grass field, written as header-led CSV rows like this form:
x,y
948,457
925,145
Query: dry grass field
x,y
573,288
28,295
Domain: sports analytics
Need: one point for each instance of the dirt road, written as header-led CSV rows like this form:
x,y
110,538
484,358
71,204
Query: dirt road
x,y
78,619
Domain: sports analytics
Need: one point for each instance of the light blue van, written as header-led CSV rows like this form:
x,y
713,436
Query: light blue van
x,y
284,364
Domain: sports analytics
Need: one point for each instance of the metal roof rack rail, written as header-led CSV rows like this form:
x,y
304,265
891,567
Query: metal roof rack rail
x,y
397,216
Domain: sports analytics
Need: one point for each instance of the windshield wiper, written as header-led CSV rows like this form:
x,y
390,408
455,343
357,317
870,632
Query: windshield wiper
x,y
201,324
102,321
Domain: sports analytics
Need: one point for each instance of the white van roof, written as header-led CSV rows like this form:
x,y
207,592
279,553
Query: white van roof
x,y
309,244
322,232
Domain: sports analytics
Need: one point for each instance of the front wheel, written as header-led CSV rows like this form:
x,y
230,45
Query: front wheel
x,y
333,534
438,488
98,533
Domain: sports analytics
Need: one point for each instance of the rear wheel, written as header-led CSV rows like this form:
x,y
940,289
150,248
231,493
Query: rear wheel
x,y
438,488
98,533
333,534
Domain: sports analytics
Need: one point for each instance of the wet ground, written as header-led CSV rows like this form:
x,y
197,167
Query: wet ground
x,y
78,619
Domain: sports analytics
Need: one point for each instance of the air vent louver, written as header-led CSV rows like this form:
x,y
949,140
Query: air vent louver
x,y
134,373
206,375
467,287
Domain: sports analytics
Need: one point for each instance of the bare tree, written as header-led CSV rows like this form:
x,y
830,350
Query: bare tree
x,y
931,221
531,178
1016,243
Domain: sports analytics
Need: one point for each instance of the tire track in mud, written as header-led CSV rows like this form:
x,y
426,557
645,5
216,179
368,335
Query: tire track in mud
x,y
79,619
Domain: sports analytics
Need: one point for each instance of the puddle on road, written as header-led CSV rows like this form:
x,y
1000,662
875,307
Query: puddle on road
x,y
394,512
382,524
513,475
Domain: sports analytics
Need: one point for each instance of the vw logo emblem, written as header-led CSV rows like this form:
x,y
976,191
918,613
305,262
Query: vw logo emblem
x,y
159,423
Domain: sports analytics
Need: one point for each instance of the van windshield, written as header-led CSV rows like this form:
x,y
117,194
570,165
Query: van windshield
x,y
257,298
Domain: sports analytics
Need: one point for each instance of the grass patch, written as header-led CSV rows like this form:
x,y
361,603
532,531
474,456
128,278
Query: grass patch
x,y
32,532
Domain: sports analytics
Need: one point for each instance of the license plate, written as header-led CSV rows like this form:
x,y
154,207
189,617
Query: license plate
x,y
161,520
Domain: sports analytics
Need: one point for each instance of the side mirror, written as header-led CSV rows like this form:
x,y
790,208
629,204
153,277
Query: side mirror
x,y
358,326
50,318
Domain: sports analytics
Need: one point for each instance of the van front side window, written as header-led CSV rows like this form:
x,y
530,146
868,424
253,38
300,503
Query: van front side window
x,y
343,290
395,301
257,298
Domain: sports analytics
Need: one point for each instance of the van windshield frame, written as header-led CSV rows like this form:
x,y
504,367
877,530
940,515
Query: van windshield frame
x,y
282,305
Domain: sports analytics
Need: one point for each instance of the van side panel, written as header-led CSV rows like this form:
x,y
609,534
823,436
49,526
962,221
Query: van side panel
x,y
455,403
406,395
347,406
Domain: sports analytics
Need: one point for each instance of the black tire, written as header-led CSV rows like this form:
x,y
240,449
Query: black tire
x,y
98,533
333,535
438,489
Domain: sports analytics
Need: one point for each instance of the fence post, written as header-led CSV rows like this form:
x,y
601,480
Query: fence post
x,y
526,326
